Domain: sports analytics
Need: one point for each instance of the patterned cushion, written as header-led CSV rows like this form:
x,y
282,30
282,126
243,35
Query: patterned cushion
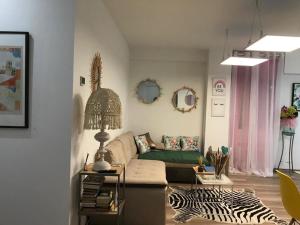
x,y
171,143
190,143
142,143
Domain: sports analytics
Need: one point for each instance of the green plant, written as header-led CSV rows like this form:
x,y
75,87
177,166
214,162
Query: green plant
x,y
288,112
200,160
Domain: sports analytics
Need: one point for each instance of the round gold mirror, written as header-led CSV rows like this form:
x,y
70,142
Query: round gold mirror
x,y
184,99
148,91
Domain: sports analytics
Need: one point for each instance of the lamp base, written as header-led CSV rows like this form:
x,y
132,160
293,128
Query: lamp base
x,y
101,166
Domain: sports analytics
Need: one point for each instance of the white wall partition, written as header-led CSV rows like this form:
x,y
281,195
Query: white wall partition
x,y
217,128
35,162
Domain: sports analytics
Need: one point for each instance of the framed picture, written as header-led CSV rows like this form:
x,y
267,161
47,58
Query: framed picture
x,y
296,96
14,80
218,87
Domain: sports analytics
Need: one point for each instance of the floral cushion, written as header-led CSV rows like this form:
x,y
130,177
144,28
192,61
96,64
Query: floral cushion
x,y
171,143
142,143
190,143
151,143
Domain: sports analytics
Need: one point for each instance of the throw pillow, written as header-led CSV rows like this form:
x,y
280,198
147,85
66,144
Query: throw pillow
x,y
142,143
190,143
151,143
171,143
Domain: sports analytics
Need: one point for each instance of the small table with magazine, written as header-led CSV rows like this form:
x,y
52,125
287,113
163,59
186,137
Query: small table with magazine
x,y
98,200
208,180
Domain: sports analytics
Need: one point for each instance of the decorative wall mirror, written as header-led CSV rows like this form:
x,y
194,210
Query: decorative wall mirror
x,y
148,91
184,99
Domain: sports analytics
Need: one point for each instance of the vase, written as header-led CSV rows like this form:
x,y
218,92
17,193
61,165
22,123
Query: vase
x,y
218,176
288,124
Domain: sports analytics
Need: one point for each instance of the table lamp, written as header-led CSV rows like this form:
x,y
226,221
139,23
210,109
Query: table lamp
x,y
102,111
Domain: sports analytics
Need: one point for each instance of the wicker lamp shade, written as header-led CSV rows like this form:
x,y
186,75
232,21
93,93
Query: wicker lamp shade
x,y
103,109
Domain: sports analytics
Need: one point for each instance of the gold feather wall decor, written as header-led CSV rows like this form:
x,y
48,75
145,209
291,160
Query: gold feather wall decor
x,y
96,72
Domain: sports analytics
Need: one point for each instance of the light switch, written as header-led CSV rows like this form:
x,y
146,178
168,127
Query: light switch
x,y
218,107
82,81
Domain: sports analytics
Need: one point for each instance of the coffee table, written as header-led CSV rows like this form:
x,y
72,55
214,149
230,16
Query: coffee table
x,y
209,180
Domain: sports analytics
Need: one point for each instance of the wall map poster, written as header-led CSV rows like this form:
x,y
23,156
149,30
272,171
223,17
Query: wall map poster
x,y
10,79
14,79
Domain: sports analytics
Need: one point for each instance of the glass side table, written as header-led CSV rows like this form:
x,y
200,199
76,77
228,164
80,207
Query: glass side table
x,y
290,135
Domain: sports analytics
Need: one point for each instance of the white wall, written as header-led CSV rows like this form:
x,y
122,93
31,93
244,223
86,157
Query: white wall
x,y
285,99
95,31
172,69
35,162
217,128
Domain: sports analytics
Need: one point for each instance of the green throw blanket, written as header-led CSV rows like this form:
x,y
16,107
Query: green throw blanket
x,y
186,157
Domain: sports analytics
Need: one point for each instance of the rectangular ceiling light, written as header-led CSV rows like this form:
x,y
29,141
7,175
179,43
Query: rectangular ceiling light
x,y
270,43
242,61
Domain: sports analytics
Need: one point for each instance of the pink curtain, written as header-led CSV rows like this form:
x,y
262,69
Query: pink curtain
x,y
254,122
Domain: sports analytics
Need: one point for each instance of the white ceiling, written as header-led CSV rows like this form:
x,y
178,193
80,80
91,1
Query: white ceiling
x,y
200,23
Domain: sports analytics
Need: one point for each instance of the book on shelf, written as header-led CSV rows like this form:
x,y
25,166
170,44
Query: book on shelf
x,y
93,193
89,190
93,179
93,182
103,201
104,198
87,199
105,193
92,186
106,206
88,204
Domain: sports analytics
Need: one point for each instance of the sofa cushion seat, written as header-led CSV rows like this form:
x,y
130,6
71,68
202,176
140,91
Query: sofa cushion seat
x,y
146,172
143,173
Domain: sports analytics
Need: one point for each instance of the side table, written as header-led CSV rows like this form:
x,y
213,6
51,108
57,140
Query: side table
x,y
117,211
290,135
218,185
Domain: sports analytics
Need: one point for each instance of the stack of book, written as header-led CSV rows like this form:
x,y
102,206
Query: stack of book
x,y
104,200
91,189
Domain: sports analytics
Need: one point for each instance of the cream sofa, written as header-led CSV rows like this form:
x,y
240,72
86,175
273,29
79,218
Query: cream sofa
x,y
146,183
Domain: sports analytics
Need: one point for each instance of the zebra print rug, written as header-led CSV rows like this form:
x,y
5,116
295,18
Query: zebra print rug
x,y
239,207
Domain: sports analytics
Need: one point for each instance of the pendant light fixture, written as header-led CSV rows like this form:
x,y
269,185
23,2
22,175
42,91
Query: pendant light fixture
x,y
243,58
242,61
240,57
272,43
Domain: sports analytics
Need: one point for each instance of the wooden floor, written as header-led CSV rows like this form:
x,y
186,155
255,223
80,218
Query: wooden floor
x,y
267,189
